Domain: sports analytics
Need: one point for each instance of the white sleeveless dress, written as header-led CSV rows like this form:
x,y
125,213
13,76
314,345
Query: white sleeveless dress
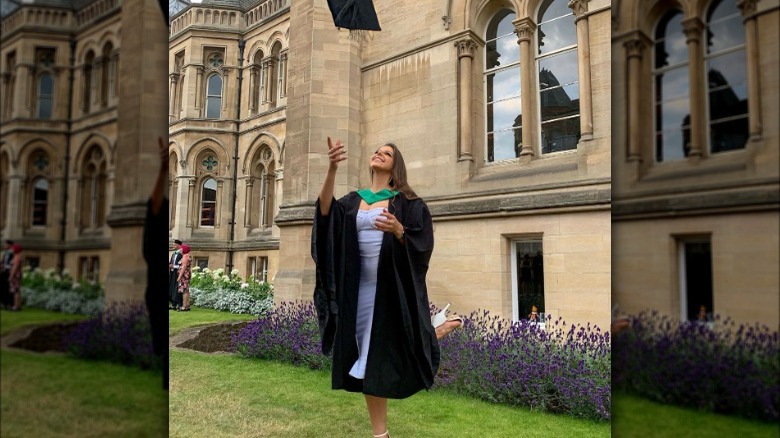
x,y
369,243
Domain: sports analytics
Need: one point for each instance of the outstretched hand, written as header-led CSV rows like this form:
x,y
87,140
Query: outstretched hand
x,y
336,153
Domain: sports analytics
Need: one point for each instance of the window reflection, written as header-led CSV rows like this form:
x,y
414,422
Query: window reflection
x,y
671,80
208,203
502,88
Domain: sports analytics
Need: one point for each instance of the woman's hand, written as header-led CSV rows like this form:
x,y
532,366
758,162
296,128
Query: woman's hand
x,y
336,153
388,223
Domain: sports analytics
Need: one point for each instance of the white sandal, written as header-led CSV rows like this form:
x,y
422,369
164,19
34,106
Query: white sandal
x,y
387,434
440,319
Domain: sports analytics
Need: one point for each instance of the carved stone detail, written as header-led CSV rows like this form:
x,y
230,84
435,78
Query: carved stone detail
x,y
466,47
579,7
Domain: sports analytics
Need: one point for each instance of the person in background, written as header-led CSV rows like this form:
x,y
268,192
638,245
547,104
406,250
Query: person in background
x,y
173,275
5,269
185,273
15,277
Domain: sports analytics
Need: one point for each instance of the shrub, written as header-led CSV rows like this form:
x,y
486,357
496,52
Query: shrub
x,y
122,334
553,369
214,290
47,290
289,333
719,367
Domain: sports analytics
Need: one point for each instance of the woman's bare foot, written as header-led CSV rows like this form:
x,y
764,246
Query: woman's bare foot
x,y
447,328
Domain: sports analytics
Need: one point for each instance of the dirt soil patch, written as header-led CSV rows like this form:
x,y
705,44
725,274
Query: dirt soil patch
x,y
214,338
46,338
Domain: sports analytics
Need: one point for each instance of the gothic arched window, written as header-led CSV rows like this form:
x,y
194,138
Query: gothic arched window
x,y
208,203
672,97
45,96
214,96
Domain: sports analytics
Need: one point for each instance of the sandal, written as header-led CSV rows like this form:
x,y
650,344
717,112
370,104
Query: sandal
x,y
386,434
443,325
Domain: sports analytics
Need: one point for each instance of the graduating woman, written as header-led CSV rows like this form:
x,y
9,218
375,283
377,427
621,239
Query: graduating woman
x,y
372,249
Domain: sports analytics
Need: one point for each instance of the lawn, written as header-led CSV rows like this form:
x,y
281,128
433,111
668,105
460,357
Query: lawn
x,y
198,316
53,395
224,395
634,416
10,321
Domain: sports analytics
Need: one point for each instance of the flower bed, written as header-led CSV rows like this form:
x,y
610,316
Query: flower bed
x,y
50,291
122,334
718,367
555,369
215,290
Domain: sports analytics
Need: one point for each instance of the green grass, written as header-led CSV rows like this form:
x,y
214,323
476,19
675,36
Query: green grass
x,y
224,395
56,396
197,316
634,416
10,321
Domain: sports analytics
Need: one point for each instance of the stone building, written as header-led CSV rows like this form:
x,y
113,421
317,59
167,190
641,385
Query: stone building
x,y
68,193
696,165
501,109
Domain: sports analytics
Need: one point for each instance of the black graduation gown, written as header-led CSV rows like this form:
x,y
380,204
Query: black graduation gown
x,y
403,356
155,250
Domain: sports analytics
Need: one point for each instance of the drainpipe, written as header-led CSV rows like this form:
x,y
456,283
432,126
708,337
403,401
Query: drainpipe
x,y
241,45
66,180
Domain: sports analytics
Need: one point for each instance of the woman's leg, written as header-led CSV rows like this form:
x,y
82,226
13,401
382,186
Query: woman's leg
x,y
377,412
186,300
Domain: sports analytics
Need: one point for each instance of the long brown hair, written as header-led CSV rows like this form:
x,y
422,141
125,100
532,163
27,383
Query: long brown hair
x,y
397,174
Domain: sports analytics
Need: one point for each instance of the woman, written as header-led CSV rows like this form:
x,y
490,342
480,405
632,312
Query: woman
x,y
372,249
185,273
15,277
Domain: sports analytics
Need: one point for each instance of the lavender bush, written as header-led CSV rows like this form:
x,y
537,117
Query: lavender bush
x,y
288,333
719,367
121,333
554,369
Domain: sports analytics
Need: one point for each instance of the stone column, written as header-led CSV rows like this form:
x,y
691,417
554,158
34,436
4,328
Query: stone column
x,y
634,49
252,90
193,213
21,105
580,9
13,218
748,8
5,77
317,107
525,28
466,49
248,206
269,65
198,90
141,120
283,73
693,27
172,95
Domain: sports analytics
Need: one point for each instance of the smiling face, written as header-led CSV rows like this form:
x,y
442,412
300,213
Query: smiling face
x,y
382,159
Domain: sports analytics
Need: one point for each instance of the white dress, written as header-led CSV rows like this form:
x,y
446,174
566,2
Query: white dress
x,y
369,243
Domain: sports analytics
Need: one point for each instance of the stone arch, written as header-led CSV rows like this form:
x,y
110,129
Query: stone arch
x,y
94,138
208,143
647,15
35,144
263,137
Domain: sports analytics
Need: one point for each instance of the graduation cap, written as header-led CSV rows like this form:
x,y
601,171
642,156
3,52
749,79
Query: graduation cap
x,y
354,14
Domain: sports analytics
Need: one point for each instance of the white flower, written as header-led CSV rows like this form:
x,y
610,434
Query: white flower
x,y
244,285
66,271
219,271
234,272
196,268
206,271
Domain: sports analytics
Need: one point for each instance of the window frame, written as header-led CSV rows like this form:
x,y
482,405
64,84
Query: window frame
x,y
209,97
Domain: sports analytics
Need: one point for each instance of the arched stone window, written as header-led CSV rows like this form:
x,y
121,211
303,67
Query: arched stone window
x,y
256,82
502,88
274,75
260,186
93,189
208,203
40,201
107,73
87,82
214,96
559,88
45,96
670,76
727,90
